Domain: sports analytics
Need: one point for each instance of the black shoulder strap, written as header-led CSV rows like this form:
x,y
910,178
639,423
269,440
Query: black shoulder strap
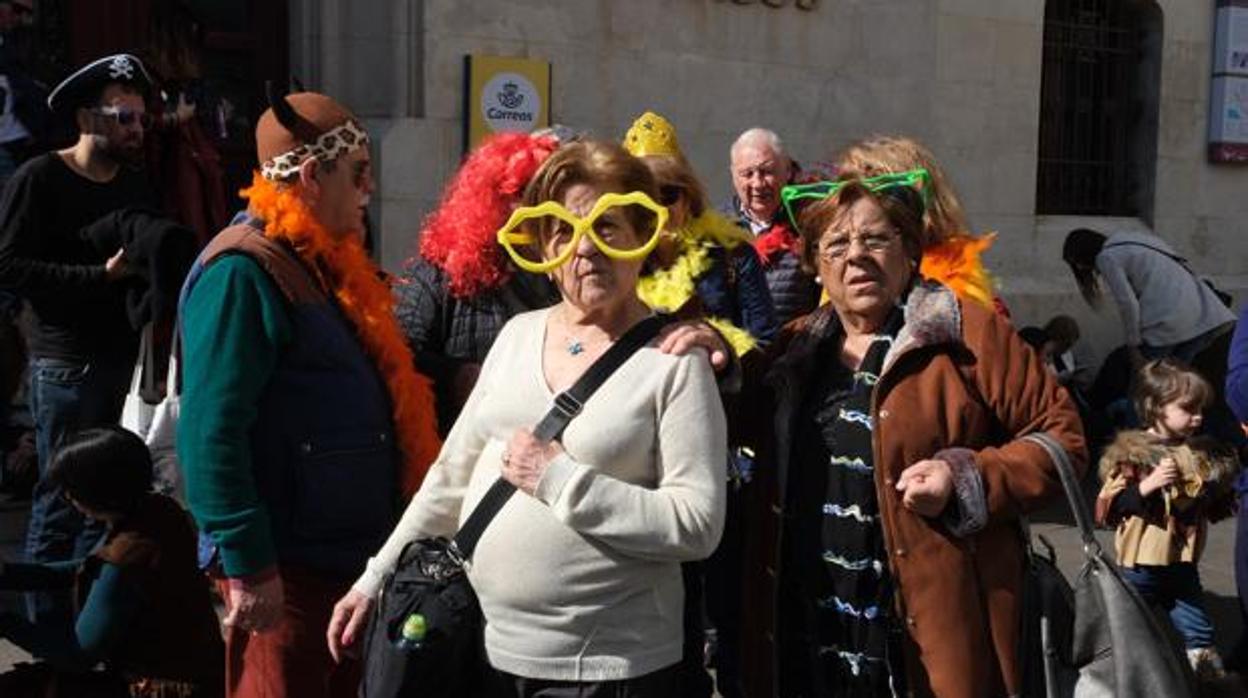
x,y
567,405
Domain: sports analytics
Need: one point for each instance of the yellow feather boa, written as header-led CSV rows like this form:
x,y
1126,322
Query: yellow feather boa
x,y
668,290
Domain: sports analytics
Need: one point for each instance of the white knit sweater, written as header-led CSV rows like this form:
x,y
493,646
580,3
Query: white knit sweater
x,y
582,581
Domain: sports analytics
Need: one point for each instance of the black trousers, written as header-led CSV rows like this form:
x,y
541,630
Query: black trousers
x,y
664,683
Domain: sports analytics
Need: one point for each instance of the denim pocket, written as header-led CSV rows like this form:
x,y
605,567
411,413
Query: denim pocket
x,y
61,372
344,485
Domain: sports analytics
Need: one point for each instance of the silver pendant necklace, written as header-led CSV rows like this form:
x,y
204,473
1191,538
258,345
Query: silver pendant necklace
x,y
574,346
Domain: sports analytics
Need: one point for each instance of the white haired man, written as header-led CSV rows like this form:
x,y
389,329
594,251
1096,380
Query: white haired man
x,y
760,168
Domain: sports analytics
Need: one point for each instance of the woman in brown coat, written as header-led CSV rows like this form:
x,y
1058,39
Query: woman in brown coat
x,y
889,559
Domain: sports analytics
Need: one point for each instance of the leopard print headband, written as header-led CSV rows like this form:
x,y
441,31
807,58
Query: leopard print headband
x,y
329,146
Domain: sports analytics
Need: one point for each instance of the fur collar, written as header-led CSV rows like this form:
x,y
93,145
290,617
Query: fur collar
x,y
932,317
1213,460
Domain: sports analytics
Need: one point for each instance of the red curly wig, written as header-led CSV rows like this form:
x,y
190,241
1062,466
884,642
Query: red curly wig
x,y
458,237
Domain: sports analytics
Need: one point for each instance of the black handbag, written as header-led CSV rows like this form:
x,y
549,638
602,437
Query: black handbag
x,y
1097,638
425,638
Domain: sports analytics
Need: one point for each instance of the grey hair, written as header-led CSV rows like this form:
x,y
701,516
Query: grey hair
x,y
759,136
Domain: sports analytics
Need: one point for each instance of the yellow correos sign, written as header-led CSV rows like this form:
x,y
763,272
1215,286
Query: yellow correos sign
x,y
505,94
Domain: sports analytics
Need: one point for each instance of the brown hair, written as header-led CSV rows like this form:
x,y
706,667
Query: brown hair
x,y
1079,251
878,155
902,206
604,166
174,38
676,180
1167,380
1062,330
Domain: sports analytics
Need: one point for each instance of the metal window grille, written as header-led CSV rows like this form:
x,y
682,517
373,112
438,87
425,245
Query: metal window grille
x,y
1088,108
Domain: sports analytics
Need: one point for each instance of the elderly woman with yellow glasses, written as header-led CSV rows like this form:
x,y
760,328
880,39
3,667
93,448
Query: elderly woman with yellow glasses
x,y
579,574
900,452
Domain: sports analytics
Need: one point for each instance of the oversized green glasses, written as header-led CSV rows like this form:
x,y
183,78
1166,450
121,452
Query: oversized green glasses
x,y
918,179
533,232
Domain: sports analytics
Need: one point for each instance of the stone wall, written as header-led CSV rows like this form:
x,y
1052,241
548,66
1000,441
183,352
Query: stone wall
x,y
961,75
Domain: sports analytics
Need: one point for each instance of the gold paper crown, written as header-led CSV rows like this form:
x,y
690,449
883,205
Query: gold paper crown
x,y
651,134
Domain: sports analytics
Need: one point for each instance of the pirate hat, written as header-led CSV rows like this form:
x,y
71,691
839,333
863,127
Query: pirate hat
x,y
79,89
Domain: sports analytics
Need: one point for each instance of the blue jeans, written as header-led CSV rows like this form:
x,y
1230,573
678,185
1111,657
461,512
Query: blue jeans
x,y
66,396
1176,589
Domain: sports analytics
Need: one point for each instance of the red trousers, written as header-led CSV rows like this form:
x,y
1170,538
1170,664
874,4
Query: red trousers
x,y
292,659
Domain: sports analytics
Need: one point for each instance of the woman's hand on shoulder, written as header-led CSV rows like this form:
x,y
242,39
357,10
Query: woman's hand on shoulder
x,y
347,624
525,459
682,337
926,487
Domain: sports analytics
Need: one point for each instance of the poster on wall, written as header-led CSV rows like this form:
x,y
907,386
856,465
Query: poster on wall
x,y
1228,92
504,94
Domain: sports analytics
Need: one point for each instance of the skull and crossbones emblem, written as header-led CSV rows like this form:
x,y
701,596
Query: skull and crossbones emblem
x,y
120,67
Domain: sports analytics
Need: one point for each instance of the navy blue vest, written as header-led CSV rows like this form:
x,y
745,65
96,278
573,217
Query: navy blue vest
x,y
323,448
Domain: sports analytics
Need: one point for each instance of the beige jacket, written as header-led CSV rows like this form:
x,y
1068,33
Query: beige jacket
x,y
1176,520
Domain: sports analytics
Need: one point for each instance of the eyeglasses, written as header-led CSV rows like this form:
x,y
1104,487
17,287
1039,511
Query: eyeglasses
x,y
124,117
564,230
837,246
918,179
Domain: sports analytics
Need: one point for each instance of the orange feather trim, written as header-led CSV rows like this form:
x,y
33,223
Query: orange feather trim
x,y
956,263
365,299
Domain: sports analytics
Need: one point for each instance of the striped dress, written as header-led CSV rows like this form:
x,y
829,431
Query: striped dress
x,y
842,614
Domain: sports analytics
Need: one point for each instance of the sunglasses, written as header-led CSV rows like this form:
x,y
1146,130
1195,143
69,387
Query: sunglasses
x,y
124,117
918,179
564,230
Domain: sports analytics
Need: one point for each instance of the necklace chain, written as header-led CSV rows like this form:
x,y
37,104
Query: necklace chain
x,y
572,344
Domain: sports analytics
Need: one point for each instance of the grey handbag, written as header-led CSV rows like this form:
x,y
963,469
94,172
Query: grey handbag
x,y
1109,644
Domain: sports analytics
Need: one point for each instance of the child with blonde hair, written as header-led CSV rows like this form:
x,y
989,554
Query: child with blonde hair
x,y
1163,486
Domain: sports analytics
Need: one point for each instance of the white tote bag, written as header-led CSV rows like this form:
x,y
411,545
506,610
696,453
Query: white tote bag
x,y
156,422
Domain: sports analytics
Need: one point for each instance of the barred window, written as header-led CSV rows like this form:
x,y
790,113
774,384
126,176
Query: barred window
x,y
1098,107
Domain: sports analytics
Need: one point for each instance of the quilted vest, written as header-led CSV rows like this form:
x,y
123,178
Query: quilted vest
x,y
324,455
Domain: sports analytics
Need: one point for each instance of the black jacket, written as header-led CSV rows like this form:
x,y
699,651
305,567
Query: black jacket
x,y
158,250
448,334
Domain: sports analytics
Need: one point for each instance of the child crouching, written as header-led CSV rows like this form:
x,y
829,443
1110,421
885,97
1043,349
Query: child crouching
x,y
1162,487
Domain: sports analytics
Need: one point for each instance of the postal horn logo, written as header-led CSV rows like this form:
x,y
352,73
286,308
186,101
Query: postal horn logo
x,y
510,102
511,97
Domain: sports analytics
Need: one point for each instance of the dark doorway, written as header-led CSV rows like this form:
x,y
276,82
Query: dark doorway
x,y
1098,107
244,43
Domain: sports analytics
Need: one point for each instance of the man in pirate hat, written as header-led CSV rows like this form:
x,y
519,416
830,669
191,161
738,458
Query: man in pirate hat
x,y
82,346
303,420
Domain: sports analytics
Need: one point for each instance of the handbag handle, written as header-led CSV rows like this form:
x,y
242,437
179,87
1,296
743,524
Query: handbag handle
x,y
1070,483
567,405
173,379
143,380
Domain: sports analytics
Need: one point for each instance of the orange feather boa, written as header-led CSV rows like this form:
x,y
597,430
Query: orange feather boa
x,y
345,269
956,263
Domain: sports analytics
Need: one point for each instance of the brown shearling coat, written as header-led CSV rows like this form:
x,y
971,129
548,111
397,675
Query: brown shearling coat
x,y
957,377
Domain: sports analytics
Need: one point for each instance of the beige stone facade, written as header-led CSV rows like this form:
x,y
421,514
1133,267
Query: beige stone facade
x,y
961,75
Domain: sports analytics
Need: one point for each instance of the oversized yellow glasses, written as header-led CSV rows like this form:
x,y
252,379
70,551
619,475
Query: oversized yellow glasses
x,y
563,230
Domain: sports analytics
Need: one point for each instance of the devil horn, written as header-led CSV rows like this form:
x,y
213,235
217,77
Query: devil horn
x,y
296,85
285,113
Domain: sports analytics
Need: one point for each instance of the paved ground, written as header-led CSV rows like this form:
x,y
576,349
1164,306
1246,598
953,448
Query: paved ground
x,y
12,528
1217,570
